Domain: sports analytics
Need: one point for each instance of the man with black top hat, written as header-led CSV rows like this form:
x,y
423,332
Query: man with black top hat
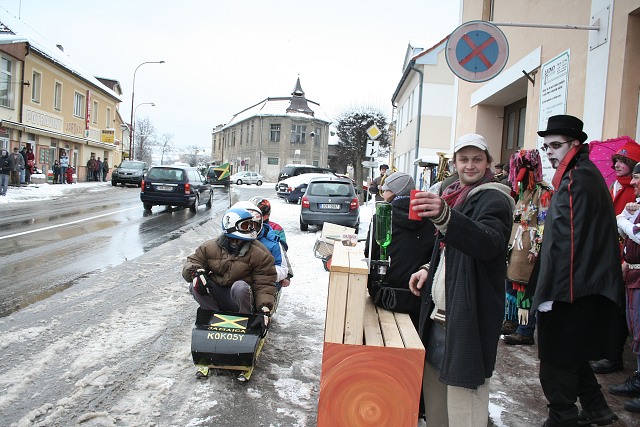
x,y
578,282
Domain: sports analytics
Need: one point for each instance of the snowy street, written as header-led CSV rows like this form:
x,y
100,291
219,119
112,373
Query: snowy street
x,y
114,349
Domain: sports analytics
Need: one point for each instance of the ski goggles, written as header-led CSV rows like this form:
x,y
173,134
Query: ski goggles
x,y
246,226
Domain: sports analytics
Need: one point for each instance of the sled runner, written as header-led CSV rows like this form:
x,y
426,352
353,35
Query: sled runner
x,y
226,340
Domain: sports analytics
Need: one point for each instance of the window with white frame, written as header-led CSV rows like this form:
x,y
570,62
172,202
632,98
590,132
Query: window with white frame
x,y
108,125
274,134
78,105
6,91
298,134
94,113
36,85
317,138
57,96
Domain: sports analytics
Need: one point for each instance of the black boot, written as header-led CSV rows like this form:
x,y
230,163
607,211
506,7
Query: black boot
x,y
601,417
631,386
605,366
633,405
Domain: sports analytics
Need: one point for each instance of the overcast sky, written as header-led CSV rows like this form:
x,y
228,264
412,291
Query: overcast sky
x,y
223,56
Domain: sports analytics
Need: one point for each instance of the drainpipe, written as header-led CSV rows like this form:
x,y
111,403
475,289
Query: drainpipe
x,y
421,74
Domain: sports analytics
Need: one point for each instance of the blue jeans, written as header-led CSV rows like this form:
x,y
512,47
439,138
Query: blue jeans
x,y
4,182
528,329
63,174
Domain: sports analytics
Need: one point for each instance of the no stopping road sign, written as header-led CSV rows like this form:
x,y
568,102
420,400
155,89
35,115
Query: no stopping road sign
x,y
477,51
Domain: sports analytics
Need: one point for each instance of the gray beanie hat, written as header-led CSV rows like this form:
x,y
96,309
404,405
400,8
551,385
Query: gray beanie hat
x,y
399,183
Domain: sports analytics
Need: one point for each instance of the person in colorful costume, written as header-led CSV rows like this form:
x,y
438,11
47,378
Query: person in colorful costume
x,y
533,196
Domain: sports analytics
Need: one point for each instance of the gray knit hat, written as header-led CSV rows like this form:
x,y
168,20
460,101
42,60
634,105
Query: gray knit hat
x,y
399,183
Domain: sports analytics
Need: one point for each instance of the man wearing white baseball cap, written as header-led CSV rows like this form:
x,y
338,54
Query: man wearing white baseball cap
x,y
463,287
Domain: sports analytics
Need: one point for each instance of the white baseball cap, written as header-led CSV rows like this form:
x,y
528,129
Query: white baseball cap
x,y
470,140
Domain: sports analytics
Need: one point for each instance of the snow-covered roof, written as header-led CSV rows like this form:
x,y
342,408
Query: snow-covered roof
x,y
13,30
277,107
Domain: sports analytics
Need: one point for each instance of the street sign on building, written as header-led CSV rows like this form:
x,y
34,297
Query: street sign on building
x,y
477,51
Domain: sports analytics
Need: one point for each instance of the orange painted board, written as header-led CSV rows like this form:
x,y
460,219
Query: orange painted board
x,y
369,386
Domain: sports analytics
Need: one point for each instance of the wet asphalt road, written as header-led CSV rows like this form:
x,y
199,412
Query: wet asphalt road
x,y
47,246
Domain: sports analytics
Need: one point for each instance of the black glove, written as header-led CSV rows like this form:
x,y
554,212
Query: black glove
x,y
199,281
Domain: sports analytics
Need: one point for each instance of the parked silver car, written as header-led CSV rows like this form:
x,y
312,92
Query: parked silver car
x,y
331,199
246,177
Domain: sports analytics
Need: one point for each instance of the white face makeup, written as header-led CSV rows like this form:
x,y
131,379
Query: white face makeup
x,y
556,147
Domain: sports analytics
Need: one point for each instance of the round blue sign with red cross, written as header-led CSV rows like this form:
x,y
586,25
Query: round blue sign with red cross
x,y
477,51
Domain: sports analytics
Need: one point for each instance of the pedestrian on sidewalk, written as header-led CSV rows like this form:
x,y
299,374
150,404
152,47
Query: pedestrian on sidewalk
x,y
18,166
56,171
462,288
578,288
105,170
64,164
6,166
629,227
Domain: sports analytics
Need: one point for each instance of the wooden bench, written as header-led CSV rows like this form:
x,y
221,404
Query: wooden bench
x,y
372,358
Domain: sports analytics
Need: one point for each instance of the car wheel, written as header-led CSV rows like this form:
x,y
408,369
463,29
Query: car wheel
x,y
303,226
357,227
210,201
194,206
259,183
239,182
147,206
114,183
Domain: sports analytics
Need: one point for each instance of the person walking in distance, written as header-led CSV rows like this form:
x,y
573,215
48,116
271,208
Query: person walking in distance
x,y
6,166
64,164
462,288
18,166
578,275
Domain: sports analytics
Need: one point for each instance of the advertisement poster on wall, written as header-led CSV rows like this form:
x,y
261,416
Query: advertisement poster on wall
x,y
553,100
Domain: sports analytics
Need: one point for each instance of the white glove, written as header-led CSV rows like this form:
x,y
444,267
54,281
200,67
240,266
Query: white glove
x,y
523,316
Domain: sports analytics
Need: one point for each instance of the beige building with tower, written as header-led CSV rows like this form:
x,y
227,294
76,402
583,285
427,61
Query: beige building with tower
x,y
49,103
273,133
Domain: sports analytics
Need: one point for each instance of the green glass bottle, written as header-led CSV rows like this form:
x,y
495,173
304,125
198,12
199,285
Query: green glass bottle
x,y
383,227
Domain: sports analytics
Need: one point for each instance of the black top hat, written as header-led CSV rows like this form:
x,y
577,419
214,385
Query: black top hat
x,y
565,125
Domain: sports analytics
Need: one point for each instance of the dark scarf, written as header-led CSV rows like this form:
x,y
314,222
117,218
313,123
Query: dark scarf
x,y
456,194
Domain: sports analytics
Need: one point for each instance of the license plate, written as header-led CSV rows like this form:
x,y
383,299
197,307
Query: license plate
x,y
164,188
329,206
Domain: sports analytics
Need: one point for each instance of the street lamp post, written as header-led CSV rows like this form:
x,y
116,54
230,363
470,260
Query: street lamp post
x,y
133,90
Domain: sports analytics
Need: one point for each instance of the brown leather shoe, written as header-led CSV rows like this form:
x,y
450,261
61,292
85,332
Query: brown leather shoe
x,y
517,339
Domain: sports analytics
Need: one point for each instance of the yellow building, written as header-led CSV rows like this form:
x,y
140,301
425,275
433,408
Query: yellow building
x,y
48,103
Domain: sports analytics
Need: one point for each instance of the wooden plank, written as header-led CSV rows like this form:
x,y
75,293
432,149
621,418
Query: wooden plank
x,y
363,386
340,258
358,261
336,307
408,332
389,328
372,332
354,322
